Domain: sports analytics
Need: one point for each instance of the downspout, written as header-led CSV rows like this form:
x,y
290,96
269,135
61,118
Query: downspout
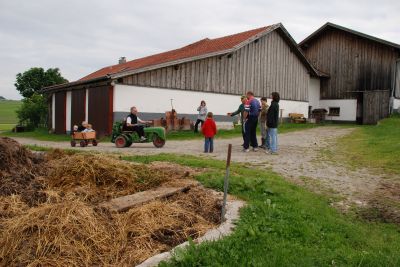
x,y
391,101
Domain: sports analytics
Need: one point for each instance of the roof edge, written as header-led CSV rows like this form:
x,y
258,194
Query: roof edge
x,y
70,84
360,34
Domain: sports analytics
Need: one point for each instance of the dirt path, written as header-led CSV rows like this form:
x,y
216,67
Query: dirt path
x,y
301,159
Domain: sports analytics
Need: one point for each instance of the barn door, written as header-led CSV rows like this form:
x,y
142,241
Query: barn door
x,y
375,106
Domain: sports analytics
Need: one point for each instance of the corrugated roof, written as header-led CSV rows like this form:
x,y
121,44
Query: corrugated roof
x,y
202,47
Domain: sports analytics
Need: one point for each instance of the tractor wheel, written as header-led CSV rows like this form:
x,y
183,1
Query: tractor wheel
x,y
82,143
120,141
158,142
94,143
73,143
128,143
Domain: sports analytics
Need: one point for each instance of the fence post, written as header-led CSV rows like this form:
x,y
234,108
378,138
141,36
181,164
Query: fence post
x,y
226,182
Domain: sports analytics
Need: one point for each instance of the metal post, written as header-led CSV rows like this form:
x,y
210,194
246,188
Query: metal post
x,y
226,182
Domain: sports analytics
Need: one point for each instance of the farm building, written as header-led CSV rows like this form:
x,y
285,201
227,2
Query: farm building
x,y
217,70
364,74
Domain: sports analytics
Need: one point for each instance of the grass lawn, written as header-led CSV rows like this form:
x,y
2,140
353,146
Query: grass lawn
x,y
375,146
8,113
284,225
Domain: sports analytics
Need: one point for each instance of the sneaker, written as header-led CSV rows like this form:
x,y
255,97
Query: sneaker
x,y
255,149
246,150
143,139
273,153
262,146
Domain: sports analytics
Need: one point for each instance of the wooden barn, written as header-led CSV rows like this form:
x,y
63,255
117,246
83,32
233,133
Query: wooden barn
x,y
217,70
362,71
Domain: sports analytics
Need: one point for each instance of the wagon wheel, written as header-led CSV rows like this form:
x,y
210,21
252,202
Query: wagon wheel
x,y
158,141
120,142
94,142
87,142
82,143
73,143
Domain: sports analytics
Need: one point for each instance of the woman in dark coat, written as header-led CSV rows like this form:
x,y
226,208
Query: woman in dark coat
x,y
272,124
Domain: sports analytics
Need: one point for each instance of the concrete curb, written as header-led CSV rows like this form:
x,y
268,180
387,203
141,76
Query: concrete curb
x,y
226,228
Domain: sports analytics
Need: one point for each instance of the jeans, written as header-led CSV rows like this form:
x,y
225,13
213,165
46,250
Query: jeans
x,y
250,130
272,139
263,128
208,144
196,126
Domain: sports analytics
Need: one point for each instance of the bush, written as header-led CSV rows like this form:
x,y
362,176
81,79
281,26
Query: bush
x,y
33,111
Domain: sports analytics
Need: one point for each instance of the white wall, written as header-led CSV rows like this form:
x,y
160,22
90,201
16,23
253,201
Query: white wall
x,y
396,104
68,112
348,108
53,111
314,92
157,100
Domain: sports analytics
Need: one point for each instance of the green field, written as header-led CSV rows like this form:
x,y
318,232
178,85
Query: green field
x,y
8,115
284,225
375,146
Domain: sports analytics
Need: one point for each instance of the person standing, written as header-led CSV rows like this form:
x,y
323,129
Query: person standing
x,y
263,122
240,111
209,130
202,109
252,110
272,124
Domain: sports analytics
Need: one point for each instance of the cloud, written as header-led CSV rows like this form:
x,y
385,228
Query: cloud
x,y
80,37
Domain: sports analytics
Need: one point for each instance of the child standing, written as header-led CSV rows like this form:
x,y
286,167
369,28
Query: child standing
x,y
209,130
262,119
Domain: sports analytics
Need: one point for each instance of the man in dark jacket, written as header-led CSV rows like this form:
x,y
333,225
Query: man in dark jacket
x,y
240,111
251,112
272,124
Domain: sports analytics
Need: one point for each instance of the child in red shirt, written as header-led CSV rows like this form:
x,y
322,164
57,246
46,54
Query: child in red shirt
x,y
209,130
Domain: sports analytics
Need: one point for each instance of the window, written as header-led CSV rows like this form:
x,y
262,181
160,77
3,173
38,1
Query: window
x,y
334,112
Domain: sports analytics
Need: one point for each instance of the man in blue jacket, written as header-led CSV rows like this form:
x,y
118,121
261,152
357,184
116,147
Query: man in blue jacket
x,y
252,110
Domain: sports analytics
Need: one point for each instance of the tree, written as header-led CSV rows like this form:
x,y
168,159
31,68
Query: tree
x,y
34,79
33,110
2,98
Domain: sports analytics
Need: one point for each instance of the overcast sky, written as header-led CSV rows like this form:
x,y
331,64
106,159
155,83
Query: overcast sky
x,y
80,36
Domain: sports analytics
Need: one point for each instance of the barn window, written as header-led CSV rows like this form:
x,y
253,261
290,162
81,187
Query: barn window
x,y
256,41
176,67
229,55
334,111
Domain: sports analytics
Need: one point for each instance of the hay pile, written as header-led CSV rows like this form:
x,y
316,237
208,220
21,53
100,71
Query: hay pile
x,y
97,177
49,213
20,172
71,232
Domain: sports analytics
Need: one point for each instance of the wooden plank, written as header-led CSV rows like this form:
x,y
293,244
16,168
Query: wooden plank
x,y
128,202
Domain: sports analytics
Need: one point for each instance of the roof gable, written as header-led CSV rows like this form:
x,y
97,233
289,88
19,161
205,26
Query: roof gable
x,y
330,25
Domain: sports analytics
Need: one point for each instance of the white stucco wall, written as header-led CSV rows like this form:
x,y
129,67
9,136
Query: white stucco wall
x,y
314,92
53,111
396,104
68,112
158,100
348,108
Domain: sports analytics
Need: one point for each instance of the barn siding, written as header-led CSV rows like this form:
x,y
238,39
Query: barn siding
x,y
78,106
60,112
353,63
99,109
264,66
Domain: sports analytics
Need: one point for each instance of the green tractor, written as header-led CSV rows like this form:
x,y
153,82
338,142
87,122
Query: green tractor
x,y
123,138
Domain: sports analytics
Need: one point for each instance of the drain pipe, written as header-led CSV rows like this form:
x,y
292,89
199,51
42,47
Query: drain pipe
x,y
391,101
